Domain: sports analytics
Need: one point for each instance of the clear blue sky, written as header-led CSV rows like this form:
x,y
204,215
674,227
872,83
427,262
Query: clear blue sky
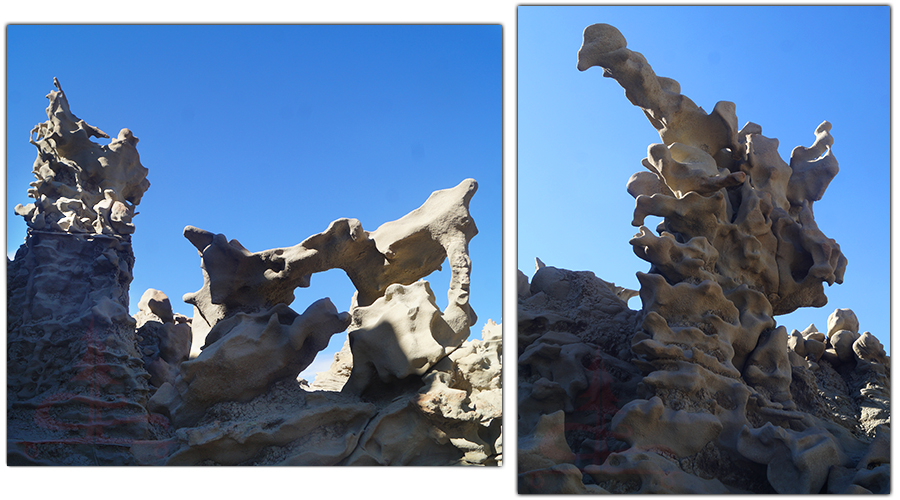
x,y
786,68
269,133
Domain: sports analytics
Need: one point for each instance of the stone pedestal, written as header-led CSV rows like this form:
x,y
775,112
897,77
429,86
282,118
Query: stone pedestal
x,y
76,385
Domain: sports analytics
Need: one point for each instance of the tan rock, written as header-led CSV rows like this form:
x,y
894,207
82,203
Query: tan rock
x,y
842,342
869,348
797,463
165,338
842,319
546,445
436,396
246,354
399,335
157,303
720,381
646,472
82,186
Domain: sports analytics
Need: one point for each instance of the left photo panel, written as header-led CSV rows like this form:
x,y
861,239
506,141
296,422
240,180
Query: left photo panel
x,y
254,244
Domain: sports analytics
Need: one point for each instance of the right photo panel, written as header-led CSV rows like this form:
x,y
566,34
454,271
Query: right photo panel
x,y
703,249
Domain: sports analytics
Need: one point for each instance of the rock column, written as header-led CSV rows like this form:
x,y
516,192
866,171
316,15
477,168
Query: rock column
x,y
738,245
76,384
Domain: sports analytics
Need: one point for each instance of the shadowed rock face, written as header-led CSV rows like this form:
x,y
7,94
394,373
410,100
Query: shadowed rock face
x,y
165,337
738,245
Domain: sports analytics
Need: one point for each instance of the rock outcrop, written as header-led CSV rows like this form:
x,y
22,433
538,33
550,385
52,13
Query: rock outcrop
x,y
712,395
451,415
81,186
412,391
164,337
89,384
76,382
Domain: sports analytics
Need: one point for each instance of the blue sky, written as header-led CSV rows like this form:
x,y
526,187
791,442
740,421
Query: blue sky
x,y
786,68
269,133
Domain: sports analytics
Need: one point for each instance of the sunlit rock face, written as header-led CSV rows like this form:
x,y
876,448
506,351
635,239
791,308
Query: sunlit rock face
x,y
725,394
81,186
407,389
76,382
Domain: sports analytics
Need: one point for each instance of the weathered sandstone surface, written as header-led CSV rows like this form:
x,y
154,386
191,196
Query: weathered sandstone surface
x,y
701,391
77,388
89,384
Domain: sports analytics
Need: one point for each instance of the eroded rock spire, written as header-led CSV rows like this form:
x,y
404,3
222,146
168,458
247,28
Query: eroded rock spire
x,y
708,394
77,384
82,186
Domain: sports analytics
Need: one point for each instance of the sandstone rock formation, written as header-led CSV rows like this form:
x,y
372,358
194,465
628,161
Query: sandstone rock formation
x,y
82,186
449,416
76,384
89,384
701,391
164,337
408,392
